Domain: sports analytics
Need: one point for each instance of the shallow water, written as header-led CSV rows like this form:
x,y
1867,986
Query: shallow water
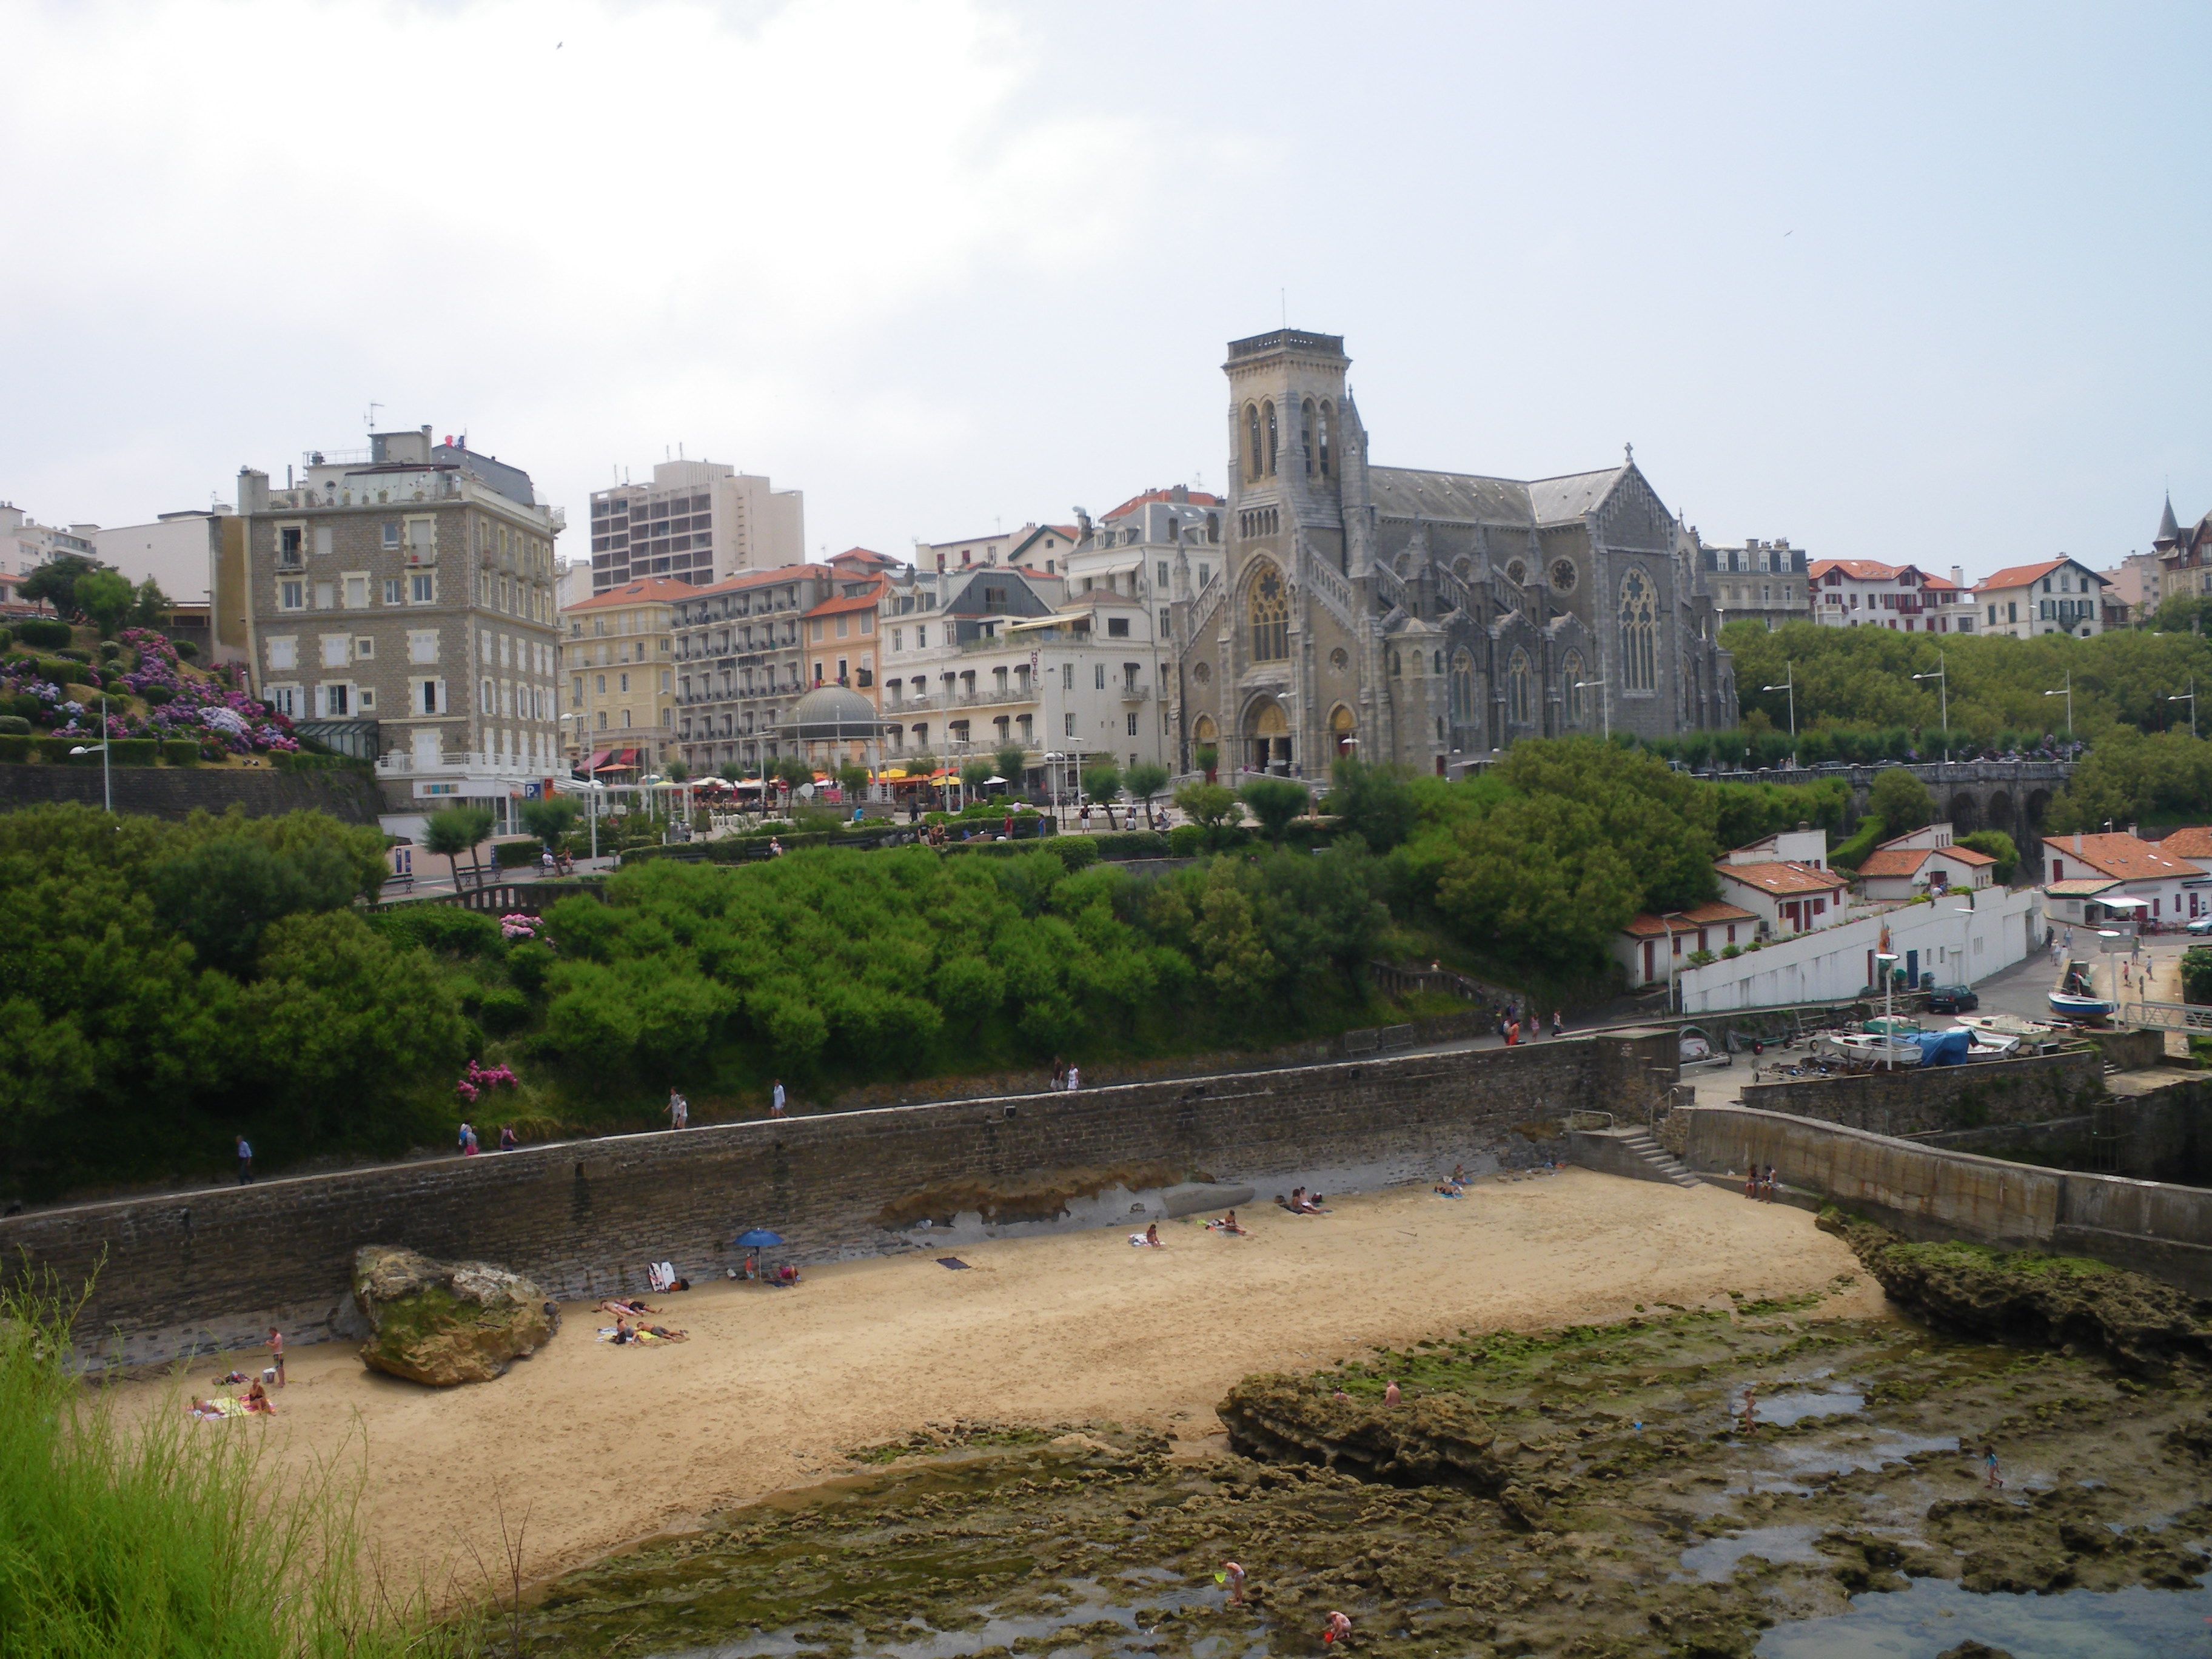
x,y
1780,1411
1715,1560
1935,1615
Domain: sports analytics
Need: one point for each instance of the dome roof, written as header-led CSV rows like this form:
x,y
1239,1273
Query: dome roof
x,y
832,711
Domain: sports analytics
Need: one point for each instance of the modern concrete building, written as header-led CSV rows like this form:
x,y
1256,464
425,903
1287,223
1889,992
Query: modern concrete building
x,y
699,522
179,552
619,668
1043,547
741,663
1760,581
2056,595
400,603
1426,618
1867,593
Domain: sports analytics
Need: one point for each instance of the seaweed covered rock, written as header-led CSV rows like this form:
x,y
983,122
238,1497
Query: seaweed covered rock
x,y
1428,1440
2024,1295
443,1322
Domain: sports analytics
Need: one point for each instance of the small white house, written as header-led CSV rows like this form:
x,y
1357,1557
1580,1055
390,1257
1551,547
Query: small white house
x,y
1804,845
2056,596
2174,888
1790,897
1924,861
1653,949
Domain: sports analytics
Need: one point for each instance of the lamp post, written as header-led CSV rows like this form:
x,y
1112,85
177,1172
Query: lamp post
x,y
1942,677
2188,697
106,789
1886,961
1789,685
2067,692
1604,702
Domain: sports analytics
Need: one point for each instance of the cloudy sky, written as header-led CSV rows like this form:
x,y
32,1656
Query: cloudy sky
x,y
1909,282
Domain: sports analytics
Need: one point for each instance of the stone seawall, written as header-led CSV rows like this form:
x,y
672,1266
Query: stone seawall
x,y
195,1271
2033,1089
177,791
1928,1192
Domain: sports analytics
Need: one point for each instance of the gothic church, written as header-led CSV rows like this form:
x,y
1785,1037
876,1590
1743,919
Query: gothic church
x,y
1427,619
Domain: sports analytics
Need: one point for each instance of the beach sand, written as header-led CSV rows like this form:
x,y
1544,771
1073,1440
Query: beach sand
x,y
596,1445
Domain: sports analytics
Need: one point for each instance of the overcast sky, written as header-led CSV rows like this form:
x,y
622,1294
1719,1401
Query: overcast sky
x,y
1911,282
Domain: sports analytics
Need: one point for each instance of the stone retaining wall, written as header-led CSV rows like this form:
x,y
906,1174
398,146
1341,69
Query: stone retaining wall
x,y
2032,1089
177,791
198,1271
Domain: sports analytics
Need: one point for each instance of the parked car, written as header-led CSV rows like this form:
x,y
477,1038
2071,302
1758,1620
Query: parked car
x,y
2202,924
1953,1000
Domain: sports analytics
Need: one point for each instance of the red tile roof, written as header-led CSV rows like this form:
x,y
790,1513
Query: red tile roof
x,y
2195,842
2121,856
1865,571
848,604
1198,498
1783,880
2022,575
867,555
782,573
661,590
1895,860
1716,914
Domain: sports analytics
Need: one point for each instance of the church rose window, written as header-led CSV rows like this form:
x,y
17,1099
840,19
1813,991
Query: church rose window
x,y
1639,632
1516,573
1339,660
1270,617
1562,575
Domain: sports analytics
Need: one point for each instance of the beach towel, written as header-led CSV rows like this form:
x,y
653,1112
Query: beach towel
x,y
953,1262
636,1337
223,1407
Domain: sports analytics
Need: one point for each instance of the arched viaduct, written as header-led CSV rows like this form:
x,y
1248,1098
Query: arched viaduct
x,y
2013,796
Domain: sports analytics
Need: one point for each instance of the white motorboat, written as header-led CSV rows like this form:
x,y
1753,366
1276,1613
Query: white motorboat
x,y
1868,1050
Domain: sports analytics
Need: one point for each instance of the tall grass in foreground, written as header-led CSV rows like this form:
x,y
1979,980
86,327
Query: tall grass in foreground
x,y
166,1535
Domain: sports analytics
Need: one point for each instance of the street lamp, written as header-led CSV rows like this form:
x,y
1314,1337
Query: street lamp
x,y
1789,685
1942,677
1604,702
2188,697
106,789
2067,692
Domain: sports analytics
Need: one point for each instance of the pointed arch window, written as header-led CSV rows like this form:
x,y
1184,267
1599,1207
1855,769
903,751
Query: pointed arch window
x,y
1326,421
1570,692
1462,689
1270,617
1639,632
1306,434
1517,688
1252,451
1268,417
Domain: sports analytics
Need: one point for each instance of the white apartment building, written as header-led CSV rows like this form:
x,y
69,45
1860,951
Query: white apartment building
x,y
2057,596
25,544
400,604
178,552
1867,593
699,522
1040,547
1161,549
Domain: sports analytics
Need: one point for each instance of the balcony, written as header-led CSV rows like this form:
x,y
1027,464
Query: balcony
x,y
399,763
1134,690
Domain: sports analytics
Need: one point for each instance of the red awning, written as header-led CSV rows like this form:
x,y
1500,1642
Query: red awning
x,y
599,762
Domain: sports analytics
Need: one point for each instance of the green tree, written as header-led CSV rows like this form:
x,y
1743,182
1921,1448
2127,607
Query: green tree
x,y
1999,846
222,894
55,582
1013,761
675,771
1900,800
550,819
454,831
1212,806
1102,781
2197,974
1144,780
853,781
1373,802
1274,802
105,596
150,606
1206,757
793,774
975,774
731,772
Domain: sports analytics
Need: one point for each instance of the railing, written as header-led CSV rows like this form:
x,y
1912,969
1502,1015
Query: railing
x,y
1209,603
1336,595
2170,1016
1583,1117
399,763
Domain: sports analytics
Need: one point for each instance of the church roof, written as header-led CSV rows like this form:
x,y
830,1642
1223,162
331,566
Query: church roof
x,y
1405,492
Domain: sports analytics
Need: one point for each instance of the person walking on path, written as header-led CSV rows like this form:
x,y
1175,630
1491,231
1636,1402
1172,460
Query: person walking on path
x,y
679,1111
1991,1479
1233,1576
275,1345
1559,1023
245,1160
776,1100
507,1141
1074,1078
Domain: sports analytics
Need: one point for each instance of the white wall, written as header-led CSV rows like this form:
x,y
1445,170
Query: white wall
x,y
1829,966
177,553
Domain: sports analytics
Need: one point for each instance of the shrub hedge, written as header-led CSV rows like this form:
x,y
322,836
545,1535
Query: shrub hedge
x,y
46,631
180,751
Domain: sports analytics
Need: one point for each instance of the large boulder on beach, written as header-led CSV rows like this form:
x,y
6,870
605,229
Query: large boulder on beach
x,y
444,1322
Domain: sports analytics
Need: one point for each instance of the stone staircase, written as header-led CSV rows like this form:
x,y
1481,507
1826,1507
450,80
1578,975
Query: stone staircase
x,y
1663,1163
1629,1153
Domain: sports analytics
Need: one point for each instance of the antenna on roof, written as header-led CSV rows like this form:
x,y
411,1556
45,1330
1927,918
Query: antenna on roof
x,y
371,421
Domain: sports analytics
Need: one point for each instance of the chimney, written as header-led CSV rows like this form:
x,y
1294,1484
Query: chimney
x,y
1958,575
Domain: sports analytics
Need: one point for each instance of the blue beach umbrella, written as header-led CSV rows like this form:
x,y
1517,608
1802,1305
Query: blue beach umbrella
x,y
759,1238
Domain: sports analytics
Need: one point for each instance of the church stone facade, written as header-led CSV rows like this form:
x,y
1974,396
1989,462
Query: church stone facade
x,y
1426,619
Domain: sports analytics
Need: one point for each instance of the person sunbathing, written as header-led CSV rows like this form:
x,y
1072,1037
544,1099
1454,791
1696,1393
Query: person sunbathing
x,y
1228,1225
257,1399
667,1335
621,1306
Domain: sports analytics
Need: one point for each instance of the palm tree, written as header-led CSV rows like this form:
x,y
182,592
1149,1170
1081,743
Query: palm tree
x,y
456,831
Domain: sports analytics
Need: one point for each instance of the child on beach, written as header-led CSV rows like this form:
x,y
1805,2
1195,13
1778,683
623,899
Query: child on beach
x,y
1233,1576
1991,1478
1390,1394
1337,1630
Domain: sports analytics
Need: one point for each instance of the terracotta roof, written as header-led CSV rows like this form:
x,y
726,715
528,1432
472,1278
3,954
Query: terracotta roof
x,y
2086,887
849,603
1783,880
1865,571
652,590
867,553
1966,855
1716,914
2121,856
2195,842
782,573
2021,575
1942,582
1198,498
1895,860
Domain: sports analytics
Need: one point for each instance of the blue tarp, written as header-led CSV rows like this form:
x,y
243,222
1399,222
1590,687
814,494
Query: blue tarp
x,y
1945,1047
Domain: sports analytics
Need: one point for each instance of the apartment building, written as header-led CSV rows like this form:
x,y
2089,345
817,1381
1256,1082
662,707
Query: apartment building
x,y
1163,549
618,660
2056,596
177,551
1041,547
699,522
400,602
741,661
2185,557
25,544
1867,593
1766,582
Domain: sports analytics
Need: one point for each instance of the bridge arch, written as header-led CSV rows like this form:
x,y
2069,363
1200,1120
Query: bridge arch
x,y
1966,813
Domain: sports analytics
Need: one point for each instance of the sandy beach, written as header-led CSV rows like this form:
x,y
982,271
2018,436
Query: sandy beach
x,y
598,1445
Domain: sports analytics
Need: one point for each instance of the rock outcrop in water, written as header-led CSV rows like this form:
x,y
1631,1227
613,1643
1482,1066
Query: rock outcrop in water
x,y
2026,1297
444,1323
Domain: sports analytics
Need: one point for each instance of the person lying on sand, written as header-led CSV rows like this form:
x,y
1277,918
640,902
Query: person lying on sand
x,y
1311,1205
620,1307
667,1335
